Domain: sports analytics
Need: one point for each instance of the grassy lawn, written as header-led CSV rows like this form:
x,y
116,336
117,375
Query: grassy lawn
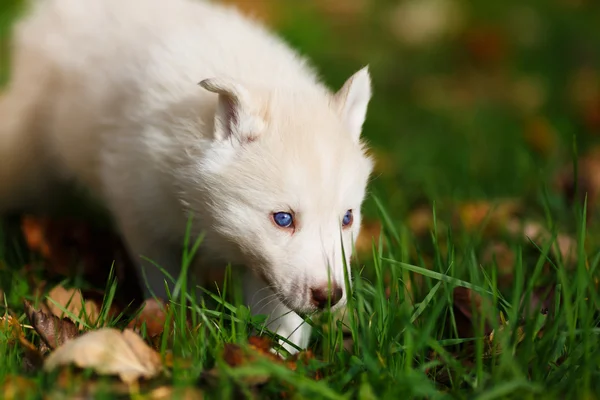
x,y
477,272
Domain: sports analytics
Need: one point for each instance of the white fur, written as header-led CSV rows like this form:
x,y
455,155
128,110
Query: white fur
x,y
165,108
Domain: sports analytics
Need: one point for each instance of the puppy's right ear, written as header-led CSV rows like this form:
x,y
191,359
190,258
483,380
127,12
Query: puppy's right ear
x,y
353,99
234,118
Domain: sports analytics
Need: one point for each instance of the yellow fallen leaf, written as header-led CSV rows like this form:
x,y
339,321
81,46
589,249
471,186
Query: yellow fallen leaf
x,y
109,351
72,301
186,393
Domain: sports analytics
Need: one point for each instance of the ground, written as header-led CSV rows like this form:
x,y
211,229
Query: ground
x,y
476,274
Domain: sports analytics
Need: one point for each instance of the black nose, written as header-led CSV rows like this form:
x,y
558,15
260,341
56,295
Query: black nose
x,y
322,297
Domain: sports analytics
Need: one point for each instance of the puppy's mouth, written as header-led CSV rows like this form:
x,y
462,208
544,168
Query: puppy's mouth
x,y
288,301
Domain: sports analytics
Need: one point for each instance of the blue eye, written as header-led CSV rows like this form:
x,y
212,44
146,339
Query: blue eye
x,y
348,218
283,219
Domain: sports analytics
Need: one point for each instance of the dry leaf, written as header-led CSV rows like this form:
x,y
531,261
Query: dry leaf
x,y
72,301
54,331
167,393
33,231
153,315
493,347
14,333
235,356
258,347
109,351
69,247
465,302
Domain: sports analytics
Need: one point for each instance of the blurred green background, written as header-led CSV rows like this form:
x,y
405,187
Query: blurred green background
x,y
472,99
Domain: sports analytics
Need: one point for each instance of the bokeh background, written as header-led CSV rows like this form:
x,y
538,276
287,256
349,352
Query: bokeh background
x,y
472,99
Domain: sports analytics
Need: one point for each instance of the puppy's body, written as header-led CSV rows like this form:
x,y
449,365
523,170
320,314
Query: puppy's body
x,y
105,94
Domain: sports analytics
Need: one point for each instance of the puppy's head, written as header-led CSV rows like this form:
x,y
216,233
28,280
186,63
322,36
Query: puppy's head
x,y
283,182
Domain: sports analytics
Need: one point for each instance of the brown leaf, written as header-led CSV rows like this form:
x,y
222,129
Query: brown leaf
x,y
70,246
492,346
153,315
259,347
261,344
466,301
235,356
72,301
14,333
34,232
109,351
54,331
303,357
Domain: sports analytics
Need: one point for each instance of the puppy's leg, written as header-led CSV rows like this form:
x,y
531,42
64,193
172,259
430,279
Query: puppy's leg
x,y
281,320
149,253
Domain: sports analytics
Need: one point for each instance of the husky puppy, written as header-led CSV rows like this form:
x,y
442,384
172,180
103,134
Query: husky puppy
x,y
163,109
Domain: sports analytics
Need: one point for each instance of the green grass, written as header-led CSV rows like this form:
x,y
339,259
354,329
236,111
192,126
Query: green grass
x,y
440,156
393,338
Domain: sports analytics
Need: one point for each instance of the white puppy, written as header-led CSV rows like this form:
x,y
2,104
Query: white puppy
x,y
160,109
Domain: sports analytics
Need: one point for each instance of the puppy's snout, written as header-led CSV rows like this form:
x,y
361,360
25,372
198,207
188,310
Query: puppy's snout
x,y
324,295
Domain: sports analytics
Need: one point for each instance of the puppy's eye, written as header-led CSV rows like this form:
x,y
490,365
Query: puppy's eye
x,y
283,219
348,219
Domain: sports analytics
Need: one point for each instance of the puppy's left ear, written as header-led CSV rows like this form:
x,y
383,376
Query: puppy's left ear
x,y
234,115
352,100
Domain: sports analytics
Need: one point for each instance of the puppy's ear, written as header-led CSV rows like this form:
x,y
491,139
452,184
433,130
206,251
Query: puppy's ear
x,y
233,117
352,99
